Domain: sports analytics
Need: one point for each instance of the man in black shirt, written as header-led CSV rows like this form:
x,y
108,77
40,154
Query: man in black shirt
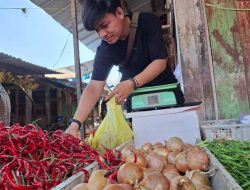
x,y
146,66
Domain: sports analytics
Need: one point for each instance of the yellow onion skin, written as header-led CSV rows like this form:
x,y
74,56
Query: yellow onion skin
x,y
127,186
97,180
146,147
203,187
162,151
113,187
171,157
81,186
181,162
158,145
199,179
155,180
156,161
175,144
170,168
181,183
197,160
171,175
129,173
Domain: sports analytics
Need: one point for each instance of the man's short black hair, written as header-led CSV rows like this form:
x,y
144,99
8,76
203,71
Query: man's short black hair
x,y
94,10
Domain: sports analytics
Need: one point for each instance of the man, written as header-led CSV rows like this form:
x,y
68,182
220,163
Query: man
x,y
146,66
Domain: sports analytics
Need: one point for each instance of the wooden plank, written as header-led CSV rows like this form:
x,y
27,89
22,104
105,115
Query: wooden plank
x,y
194,55
243,20
227,59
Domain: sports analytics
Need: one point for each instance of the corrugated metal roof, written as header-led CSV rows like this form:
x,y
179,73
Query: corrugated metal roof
x,y
60,11
56,83
19,67
69,72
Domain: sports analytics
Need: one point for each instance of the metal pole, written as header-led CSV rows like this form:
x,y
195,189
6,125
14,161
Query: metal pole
x,y
76,58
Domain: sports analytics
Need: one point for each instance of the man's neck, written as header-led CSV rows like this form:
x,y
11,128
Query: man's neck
x,y
126,25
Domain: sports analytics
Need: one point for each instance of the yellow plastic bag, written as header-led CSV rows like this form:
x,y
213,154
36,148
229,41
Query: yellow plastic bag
x,y
113,131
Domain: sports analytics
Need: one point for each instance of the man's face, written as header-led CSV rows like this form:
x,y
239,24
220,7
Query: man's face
x,y
110,27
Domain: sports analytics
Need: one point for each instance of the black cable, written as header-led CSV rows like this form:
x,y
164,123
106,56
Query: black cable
x,y
62,51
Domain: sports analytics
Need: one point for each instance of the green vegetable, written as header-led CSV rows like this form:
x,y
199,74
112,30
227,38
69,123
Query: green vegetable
x,y
235,157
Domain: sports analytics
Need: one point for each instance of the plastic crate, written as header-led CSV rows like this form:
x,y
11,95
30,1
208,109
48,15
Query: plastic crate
x,y
226,129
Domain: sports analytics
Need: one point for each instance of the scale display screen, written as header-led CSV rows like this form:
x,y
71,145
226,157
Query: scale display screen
x,y
153,99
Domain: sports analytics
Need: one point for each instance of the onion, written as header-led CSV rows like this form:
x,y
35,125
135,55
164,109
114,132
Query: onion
x,y
128,151
203,187
181,162
140,159
147,147
149,170
181,183
162,151
171,175
158,145
175,144
198,178
126,186
81,186
155,161
188,147
155,180
197,160
97,181
129,173
113,187
169,168
171,157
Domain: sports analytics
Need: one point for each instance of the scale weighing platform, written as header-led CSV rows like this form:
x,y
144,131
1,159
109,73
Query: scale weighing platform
x,y
154,97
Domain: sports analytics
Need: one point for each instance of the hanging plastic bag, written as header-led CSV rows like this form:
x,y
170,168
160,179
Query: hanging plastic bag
x,y
113,131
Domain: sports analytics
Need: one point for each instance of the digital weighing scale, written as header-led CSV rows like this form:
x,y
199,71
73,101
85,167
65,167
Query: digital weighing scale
x,y
154,97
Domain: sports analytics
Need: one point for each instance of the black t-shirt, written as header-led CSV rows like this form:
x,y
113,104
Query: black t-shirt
x,y
148,46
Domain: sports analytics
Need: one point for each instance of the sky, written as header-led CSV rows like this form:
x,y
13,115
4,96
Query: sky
x,y
37,38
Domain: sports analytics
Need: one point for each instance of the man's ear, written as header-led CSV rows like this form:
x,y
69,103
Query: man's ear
x,y
119,12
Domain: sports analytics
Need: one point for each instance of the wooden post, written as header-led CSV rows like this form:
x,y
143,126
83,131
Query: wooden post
x,y
47,105
77,60
76,49
28,108
59,102
194,55
17,94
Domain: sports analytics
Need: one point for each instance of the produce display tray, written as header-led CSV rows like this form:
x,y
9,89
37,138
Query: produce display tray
x,y
226,129
221,180
79,177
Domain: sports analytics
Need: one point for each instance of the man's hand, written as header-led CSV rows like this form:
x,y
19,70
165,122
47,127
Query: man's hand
x,y
74,130
121,91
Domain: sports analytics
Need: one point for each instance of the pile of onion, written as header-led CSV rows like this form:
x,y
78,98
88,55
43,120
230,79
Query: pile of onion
x,y
157,166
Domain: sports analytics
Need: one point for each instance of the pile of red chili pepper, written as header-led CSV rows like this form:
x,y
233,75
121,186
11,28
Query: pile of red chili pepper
x,y
31,158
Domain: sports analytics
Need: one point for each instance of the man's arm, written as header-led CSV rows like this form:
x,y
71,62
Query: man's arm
x,y
125,88
89,97
151,71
